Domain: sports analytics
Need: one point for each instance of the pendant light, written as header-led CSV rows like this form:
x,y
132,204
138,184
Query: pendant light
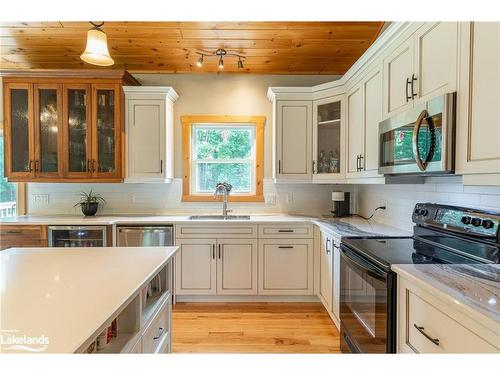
x,y
96,52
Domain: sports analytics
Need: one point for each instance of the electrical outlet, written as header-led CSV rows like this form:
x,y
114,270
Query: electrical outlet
x,y
40,198
131,198
270,199
289,198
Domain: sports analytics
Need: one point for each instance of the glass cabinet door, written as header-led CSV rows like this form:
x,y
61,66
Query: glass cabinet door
x,y
327,157
19,161
48,112
106,133
77,125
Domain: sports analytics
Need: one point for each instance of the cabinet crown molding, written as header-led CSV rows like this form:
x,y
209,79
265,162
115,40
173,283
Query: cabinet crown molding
x,y
164,90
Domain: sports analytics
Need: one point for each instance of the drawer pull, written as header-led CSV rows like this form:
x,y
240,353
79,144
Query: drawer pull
x,y
14,232
285,231
421,330
285,247
160,333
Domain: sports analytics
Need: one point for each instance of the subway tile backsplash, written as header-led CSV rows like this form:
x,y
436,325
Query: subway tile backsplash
x,y
401,199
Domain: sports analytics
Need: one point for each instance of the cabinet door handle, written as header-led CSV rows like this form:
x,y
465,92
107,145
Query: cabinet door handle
x,y
285,247
89,165
160,333
357,162
279,166
220,251
413,79
408,96
361,164
30,167
37,162
285,231
213,251
93,165
326,246
314,164
421,330
161,166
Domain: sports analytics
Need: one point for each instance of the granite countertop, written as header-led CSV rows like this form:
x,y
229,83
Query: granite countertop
x,y
358,227
66,294
473,288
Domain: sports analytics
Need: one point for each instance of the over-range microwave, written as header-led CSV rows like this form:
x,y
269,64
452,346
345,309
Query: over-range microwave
x,y
420,140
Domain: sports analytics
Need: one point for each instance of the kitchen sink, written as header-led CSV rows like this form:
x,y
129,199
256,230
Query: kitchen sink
x,y
219,217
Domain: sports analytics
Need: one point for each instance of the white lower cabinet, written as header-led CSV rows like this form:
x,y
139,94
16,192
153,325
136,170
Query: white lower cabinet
x,y
286,267
216,266
196,266
156,337
329,274
325,270
428,325
237,266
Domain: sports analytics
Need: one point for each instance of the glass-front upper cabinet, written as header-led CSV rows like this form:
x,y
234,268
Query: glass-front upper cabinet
x,y
78,130
48,132
105,129
19,148
328,130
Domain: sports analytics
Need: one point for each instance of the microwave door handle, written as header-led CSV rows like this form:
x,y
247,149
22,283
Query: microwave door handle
x,y
416,129
363,265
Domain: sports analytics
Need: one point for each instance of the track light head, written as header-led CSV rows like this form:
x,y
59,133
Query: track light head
x,y
221,63
240,63
199,63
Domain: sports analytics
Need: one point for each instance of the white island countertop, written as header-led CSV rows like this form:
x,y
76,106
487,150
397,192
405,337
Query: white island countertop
x,y
474,289
66,295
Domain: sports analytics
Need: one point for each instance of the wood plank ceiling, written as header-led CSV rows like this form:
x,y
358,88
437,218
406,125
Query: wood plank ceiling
x,y
170,47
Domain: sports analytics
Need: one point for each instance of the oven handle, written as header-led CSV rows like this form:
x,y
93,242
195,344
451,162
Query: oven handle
x,y
424,116
362,264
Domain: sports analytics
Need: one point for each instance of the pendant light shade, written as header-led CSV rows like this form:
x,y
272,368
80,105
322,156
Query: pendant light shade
x,y
96,52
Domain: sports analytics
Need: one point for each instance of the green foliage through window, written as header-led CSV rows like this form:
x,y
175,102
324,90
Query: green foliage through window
x,y
224,154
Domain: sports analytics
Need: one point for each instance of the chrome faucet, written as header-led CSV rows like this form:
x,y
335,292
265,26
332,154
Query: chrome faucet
x,y
225,188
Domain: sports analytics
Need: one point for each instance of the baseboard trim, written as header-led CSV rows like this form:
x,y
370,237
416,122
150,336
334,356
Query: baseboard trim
x,y
189,298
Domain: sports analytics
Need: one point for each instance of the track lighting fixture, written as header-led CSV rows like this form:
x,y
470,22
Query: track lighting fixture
x,y
221,53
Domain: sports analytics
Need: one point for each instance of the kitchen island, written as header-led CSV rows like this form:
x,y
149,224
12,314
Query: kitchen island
x,y
104,300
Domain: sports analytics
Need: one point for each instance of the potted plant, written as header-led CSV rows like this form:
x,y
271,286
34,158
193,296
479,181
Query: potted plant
x,y
89,203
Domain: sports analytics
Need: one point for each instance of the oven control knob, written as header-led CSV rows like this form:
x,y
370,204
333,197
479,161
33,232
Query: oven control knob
x,y
466,220
417,211
476,221
424,212
488,224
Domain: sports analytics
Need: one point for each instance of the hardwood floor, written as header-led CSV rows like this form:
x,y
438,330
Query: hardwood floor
x,y
253,328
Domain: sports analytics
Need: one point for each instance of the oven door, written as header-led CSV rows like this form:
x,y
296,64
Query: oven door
x,y
367,308
420,140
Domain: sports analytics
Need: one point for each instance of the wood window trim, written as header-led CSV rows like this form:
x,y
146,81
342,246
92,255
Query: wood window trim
x,y
187,123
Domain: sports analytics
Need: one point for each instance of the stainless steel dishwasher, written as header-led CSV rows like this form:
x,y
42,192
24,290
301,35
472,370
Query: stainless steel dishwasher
x,y
140,236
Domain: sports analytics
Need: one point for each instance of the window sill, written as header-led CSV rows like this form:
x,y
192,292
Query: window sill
x,y
231,198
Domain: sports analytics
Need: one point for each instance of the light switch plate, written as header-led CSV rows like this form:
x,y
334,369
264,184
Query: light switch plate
x,y
40,198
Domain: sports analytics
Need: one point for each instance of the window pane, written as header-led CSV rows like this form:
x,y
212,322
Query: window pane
x,y
7,190
223,143
237,174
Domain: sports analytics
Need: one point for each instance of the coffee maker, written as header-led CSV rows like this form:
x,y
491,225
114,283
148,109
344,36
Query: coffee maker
x,y
341,204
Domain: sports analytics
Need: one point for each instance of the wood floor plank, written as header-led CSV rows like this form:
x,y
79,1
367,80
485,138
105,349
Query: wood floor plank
x,y
253,328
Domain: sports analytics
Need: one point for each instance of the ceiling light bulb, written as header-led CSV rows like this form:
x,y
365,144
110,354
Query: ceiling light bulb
x,y
96,52
240,63
221,63
199,63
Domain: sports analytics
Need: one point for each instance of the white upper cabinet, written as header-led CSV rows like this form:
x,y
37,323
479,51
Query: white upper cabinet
x,y
328,139
149,132
398,71
478,122
292,141
422,67
435,65
364,112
